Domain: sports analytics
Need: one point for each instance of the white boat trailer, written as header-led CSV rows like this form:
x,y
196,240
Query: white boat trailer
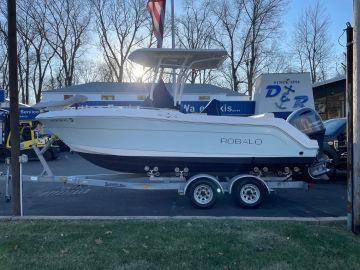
x,y
203,190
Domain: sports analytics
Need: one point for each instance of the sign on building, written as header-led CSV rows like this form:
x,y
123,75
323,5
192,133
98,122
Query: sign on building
x,y
283,93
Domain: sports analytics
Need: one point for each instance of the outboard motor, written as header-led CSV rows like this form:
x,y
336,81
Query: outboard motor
x,y
309,122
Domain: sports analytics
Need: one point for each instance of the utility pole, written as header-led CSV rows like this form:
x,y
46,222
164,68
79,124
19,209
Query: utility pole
x,y
356,125
14,107
349,120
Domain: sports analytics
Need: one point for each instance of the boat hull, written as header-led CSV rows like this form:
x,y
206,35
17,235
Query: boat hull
x,y
130,140
218,166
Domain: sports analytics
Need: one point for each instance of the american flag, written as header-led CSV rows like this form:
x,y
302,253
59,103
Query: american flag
x,y
156,9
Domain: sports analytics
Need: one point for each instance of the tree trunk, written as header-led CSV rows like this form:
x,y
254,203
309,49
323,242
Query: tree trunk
x,y
27,75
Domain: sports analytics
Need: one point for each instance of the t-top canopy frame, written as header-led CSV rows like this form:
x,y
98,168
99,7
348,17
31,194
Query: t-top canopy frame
x,y
178,58
182,59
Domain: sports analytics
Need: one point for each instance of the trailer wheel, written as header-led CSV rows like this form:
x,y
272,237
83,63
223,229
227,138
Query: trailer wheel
x,y
249,193
203,194
48,155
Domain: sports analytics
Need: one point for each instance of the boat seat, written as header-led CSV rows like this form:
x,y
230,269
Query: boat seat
x,y
161,97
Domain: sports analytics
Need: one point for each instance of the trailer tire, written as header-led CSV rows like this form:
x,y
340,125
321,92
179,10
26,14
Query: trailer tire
x,y
249,193
54,155
203,193
48,155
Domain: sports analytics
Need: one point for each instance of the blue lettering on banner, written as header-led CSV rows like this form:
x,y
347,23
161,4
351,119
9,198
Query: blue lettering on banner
x,y
240,108
273,90
300,101
285,97
26,113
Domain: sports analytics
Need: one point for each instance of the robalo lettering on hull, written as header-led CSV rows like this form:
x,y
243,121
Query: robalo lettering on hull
x,y
250,141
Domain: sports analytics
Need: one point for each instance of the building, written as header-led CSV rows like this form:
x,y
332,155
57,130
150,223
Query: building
x,y
330,97
278,93
137,92
195,96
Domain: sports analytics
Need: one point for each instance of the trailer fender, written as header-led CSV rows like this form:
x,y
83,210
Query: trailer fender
x,y
238,178
213,179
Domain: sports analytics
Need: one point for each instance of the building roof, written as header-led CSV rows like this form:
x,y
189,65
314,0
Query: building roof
x,y
335,79
6,103
140,88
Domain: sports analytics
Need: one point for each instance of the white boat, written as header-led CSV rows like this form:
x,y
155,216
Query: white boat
x,y
142,139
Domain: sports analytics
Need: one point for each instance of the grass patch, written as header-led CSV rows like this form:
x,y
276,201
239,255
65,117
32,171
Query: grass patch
x,y
176,244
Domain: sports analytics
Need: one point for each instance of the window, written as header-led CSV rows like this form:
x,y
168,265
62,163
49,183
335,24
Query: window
x,y
203,98
107,97
68,96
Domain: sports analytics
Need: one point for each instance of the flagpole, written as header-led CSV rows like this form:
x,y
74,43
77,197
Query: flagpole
x,y
172,24
173,38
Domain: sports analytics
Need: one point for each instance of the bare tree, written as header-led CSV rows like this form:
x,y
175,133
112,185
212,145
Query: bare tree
x,y
33,51
23,28
245,28
26,34
119,25
67,23
43,52
3,66
195,30
46,28
262,16
311,41
89,71
277,60
4,82
231,37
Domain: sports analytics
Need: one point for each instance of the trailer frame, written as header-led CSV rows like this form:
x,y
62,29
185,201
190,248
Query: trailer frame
x,y
215,185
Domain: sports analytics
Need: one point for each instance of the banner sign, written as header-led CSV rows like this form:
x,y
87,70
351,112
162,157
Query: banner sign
x,y
283,92
26,113
240,108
